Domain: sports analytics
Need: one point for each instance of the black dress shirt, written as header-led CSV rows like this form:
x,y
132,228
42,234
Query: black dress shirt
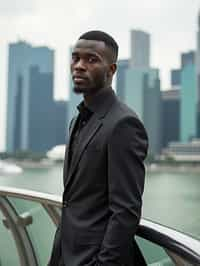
x,y
84,115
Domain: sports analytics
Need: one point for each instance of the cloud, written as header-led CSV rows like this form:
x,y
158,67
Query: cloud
x,y
16,7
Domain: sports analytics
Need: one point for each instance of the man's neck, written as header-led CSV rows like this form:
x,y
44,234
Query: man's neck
x,y
88,98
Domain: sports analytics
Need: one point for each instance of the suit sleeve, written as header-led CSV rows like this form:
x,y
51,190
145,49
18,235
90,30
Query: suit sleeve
x,y
56,250
127,149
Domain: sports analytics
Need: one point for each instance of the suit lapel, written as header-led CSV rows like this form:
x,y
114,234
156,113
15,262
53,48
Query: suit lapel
x,y
103,105
71,127
66,162
86,135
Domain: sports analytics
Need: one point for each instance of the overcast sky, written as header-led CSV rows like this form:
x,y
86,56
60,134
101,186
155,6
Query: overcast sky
x,y
57,24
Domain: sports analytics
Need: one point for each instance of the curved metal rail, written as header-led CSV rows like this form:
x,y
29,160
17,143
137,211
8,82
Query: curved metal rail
x,y
180,247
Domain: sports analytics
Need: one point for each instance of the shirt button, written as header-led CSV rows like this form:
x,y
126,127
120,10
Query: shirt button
x,y
65,204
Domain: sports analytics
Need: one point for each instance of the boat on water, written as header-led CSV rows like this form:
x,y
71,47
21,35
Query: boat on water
x,y
57,153
8,168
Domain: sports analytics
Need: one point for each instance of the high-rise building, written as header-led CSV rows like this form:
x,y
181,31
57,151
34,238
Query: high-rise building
x,y
175,78
38,126
60,122
198,47
152,111
138,85
47,117
140,58
140,49
197,61
18,115
170,116
142,94
21,57
187,58
122,66
31,107
188,103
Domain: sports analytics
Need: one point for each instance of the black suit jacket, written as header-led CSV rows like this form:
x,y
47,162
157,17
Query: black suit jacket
x,y
103,190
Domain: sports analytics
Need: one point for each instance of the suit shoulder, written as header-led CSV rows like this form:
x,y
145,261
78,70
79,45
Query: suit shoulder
x,y
121,111
127,129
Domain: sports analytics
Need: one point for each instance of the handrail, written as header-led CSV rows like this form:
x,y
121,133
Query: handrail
x,y
24,246
181,244
28,194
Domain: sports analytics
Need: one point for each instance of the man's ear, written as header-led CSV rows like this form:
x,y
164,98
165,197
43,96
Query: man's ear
x,y
113,68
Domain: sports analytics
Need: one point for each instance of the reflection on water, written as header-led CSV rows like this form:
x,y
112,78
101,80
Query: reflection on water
x,y
170,199
173,200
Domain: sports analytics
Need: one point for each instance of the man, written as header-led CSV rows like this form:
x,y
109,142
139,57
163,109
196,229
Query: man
x,y
103,168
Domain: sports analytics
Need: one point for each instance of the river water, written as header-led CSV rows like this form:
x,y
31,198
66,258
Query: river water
x,y
172,199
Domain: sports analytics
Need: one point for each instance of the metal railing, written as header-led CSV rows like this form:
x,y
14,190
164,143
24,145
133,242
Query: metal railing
x,y
182,249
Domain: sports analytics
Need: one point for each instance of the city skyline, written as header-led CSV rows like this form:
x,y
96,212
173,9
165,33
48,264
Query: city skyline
x,y
32,21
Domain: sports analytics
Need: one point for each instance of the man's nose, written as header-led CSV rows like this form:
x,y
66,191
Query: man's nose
x,y
80,65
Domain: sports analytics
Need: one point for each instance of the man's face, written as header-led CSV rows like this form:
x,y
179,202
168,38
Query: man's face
x,y
90,68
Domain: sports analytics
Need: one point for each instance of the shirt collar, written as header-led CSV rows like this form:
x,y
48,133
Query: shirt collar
x,y
84,112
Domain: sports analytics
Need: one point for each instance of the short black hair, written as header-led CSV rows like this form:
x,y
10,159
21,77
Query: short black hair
x,y
109,41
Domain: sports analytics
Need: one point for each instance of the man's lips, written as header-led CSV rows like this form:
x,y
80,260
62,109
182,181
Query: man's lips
x,y
79,78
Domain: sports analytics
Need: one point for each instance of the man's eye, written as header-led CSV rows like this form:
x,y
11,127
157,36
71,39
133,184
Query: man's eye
x,y
75,58
92,59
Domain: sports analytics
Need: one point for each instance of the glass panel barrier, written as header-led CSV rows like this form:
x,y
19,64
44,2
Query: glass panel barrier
x,y
8,249
39,226
154,254
34,230
180,261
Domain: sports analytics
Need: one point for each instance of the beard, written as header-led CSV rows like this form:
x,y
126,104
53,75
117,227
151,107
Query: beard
x,y
86,91
78,90
92,88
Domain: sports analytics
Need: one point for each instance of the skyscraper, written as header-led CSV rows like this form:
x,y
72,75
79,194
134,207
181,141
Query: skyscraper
x,y
188,102
122,66
142,94
138,85
38,127
152,111
47,117
31,108
170,116
175,78
140,49
197,57
60,122
21,57
198,46
187,58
